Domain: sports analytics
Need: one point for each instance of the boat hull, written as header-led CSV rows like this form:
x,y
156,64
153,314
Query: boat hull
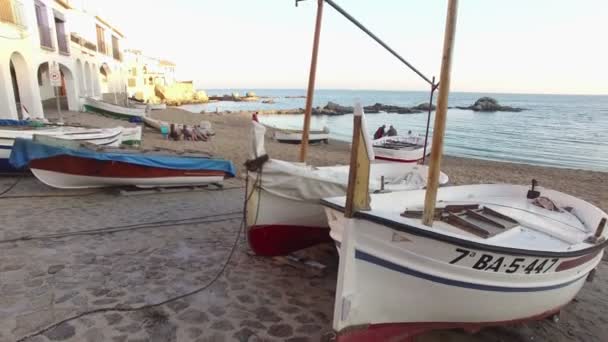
x,y
112,110
279,226
296,137
279,222
401,155
382,271
69,172
101,137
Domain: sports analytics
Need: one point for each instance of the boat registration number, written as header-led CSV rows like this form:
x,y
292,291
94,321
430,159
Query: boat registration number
x,y
493,263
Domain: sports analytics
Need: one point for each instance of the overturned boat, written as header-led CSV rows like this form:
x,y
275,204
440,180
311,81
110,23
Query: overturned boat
x,y
67,165
113,110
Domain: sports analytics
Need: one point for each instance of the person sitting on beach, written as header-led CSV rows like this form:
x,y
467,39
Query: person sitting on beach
x,y
187,133
392,131
199,134
254,117
409,133
379,132
175,133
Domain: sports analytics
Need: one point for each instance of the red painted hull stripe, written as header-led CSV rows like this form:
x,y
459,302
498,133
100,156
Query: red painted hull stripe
x,y
112,169
566,265
407,331
276,239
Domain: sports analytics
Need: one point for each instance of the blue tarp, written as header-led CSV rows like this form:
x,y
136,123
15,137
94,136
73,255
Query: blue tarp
x,y
25,150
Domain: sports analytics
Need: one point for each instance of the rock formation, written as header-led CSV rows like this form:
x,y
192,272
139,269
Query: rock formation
x,y
489,104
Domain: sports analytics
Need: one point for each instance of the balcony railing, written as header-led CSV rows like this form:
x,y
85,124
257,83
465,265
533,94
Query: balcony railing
x,y
117,55
46,40
62,44
11,11
83,42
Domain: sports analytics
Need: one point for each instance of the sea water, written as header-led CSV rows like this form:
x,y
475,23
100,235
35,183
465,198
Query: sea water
x,y
555,130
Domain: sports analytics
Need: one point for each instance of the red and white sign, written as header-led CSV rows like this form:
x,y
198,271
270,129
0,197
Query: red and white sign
x,y
54,74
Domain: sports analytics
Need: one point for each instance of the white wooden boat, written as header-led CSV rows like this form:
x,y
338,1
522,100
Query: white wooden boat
x,y
403,149
131,135
283,209
493,257
462,257
97,136
294,136
121,112
149,106
68,165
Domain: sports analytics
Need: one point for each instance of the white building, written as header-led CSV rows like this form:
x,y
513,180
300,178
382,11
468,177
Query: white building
x,y
34,32
145,73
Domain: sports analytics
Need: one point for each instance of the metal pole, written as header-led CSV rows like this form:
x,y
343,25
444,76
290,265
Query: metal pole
x,y
428,119
311,82
57,92
440,115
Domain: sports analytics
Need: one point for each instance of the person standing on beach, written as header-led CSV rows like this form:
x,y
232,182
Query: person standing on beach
x,y
379,132
392,131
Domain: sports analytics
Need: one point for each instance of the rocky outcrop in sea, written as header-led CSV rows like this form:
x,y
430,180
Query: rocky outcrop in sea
x,y
489,104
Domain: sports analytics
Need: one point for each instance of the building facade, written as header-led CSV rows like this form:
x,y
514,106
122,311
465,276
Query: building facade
x,y
88,49
144,73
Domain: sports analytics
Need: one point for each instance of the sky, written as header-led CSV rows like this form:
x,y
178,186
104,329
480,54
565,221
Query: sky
x,y
516,46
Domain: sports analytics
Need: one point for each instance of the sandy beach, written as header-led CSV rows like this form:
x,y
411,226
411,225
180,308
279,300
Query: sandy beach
x,y
258,299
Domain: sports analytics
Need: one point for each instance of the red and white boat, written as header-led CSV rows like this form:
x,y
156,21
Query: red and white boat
x,y
402,149
68,166
283,207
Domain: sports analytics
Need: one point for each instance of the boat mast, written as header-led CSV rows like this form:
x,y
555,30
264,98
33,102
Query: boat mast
x,y
311,82
440,115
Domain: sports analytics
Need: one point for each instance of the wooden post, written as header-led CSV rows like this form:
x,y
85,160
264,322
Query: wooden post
x,y
311,82
440,115
357,193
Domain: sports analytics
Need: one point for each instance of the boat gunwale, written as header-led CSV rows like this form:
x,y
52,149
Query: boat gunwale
x,y
406,228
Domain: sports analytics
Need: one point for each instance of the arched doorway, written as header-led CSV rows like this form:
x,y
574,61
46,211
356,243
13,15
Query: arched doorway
x,y
25,98
67,92
87,79
96,90
104,75
80,77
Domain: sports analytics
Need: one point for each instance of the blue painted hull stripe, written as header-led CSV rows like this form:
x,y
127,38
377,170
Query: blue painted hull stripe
x,y
2,147
401,269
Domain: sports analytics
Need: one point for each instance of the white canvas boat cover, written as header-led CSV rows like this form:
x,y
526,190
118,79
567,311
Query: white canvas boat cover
x,y
301,182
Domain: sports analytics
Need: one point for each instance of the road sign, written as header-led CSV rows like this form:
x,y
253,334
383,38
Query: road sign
x,y
55,74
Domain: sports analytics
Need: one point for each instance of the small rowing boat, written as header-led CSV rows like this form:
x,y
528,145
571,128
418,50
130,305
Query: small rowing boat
x,y
121,112
294,136
68,165
150,106
403,149
97,136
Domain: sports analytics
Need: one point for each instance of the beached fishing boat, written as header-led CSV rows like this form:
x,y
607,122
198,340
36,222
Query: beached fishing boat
x,y
283,208
403,149
463,257
131,135
121,112
150,106
294,136
67,165
97,136
494,257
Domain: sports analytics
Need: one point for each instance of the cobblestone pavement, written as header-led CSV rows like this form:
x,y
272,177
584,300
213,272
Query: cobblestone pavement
x,y
153,255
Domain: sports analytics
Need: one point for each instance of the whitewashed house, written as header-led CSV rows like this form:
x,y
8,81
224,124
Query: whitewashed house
x,y
34,32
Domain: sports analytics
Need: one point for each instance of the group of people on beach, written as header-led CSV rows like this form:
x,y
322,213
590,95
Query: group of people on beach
x,y
193,133
381,132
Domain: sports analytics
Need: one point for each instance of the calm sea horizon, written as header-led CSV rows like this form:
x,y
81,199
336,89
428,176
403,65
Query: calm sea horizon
x,y
568,131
